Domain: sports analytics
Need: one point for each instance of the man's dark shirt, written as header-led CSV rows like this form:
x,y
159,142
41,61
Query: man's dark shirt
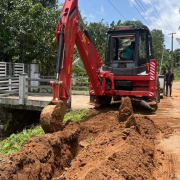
x,y
163,73
169,78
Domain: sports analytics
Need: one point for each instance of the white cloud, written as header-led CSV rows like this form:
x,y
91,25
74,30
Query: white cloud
x,y
169,20
133,19
89,16
147,1
101,12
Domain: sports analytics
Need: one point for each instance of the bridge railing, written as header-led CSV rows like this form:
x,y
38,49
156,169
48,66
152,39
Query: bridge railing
x,y
9,85
23,87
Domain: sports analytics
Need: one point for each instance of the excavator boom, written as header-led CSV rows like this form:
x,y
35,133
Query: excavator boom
x,y
68,34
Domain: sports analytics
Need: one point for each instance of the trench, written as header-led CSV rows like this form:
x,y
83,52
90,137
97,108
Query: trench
x,y
100,147
14,121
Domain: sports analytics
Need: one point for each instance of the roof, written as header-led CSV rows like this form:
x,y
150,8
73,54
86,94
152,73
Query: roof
x,y
128,28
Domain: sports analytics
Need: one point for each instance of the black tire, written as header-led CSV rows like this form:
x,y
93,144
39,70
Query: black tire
x,y
159,91
103,100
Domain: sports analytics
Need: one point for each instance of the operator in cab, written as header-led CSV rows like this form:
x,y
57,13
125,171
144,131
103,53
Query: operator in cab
x,y
127,52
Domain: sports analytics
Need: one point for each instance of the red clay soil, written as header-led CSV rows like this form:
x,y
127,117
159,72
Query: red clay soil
x,y
98,148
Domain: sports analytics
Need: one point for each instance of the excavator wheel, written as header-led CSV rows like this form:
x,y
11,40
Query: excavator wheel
x,y
52,116
103,100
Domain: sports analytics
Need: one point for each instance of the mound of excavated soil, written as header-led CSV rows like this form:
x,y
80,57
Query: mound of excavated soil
x,y
99,148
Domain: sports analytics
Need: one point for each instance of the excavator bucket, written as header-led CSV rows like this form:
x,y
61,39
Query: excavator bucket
x,y
52,116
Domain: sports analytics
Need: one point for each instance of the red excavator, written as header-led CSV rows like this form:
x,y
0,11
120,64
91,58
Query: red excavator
x,y
134,76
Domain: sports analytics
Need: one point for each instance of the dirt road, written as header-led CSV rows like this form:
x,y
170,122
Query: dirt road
x,y
169,113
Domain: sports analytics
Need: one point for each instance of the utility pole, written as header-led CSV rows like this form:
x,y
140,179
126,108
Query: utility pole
x,y
172,62
161,60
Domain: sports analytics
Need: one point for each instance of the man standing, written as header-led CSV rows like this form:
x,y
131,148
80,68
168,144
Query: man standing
x,y
163,71
169,81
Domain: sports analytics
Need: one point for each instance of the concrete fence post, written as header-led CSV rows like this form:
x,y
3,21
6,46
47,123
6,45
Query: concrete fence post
x,y
34,74
10,83
23,89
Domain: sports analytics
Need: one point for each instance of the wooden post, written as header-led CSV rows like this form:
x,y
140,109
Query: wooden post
x,y
23,89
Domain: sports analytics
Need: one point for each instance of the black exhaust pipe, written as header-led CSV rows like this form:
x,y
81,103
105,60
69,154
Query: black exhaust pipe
x,y
147,106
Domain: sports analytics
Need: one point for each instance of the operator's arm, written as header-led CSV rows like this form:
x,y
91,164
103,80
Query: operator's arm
x,y
121,53
124,50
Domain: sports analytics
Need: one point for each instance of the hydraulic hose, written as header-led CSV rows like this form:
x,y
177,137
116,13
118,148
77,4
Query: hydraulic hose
x,y
84,28
59,66
60,52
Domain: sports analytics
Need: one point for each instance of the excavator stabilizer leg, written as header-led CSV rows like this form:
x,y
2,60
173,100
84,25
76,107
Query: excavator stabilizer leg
x,y
52,116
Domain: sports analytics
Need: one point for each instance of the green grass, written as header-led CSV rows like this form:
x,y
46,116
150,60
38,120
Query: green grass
x,y
76,115
177,73
13,143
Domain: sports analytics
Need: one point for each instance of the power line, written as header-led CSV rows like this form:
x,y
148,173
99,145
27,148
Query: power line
x,y
158,14
162,13
144,10
117,10
139,12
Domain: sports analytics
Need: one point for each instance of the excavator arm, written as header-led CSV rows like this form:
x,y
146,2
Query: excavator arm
x,y
68,34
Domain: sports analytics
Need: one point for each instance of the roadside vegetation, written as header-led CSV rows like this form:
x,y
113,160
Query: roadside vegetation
x,y
13,143
177,73
27,31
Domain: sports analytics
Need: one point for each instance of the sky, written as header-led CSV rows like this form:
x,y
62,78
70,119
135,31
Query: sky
x,y
158,14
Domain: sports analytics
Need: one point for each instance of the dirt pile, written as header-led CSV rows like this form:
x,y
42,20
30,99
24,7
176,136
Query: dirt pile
x,y
125,110
99,148
42,157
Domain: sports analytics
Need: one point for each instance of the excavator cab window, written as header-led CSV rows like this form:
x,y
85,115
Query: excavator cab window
x,y
143,48
135,61
122,43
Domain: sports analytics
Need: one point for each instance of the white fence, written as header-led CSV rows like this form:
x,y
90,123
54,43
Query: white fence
x,y
3,69
9,76
11,69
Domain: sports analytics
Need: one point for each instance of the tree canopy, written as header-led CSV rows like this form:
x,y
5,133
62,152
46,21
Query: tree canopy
x,y
158,44
27,32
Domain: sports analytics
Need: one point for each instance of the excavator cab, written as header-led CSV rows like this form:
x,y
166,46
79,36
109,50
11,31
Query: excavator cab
x,y
120,38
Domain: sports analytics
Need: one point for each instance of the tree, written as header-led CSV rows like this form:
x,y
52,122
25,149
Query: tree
x,y
134,23
126,23
158,44
47,3
176,57
167,58
27,33
97,32
115,25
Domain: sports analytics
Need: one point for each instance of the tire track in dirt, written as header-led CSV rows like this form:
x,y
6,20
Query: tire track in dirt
x,y
168,114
